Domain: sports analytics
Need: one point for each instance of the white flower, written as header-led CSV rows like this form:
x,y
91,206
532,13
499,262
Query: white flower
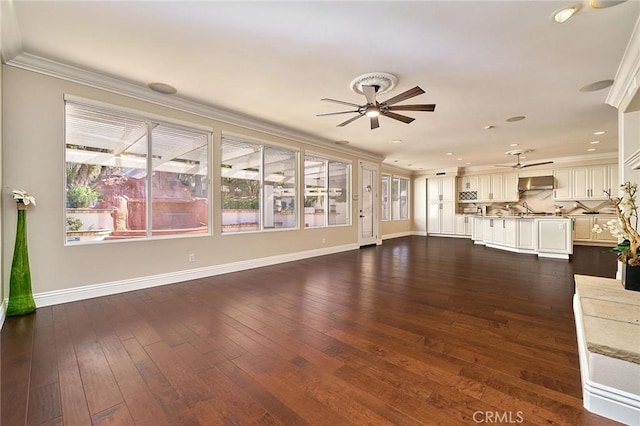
x,y
596,229
21,196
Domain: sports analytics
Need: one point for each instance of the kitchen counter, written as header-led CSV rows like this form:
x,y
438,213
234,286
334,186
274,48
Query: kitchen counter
x,y
543,235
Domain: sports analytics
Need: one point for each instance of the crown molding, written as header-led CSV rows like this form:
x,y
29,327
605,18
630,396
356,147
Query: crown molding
x,y
10,40
625,82
107,83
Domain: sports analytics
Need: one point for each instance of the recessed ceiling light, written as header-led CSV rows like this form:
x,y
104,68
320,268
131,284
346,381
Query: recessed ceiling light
x,y
459,159
396,141
591,149
468,163
163,88
594,142
601,132
449,153
561,16
516,118
514,144
597,85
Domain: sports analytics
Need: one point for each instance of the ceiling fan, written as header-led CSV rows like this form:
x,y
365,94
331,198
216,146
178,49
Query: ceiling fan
x,y
518,165
373,109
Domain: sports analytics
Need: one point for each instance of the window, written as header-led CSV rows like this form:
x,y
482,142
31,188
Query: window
x,y
384,192
399,198
116,161
258,186
327,192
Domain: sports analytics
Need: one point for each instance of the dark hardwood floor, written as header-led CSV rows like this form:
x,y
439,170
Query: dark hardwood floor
x,y
416,331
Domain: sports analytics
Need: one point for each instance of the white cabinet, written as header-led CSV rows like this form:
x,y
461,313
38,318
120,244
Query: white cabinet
x,y
554,237
463,224
585,183
477,229
526,234
468,183
497,188
510,232
510,187
605,236
590,183
563,184
582,226
468,189
441,206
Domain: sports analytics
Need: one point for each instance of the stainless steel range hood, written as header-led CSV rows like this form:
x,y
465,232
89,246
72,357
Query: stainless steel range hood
x,y
537,182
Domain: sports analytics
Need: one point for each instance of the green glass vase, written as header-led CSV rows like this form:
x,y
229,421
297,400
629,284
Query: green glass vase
x,y
20,295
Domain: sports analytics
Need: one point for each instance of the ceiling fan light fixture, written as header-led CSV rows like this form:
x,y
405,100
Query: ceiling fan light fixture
x,y
373,111
563,15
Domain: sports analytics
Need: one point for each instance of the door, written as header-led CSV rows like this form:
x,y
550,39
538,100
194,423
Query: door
x,y
367,205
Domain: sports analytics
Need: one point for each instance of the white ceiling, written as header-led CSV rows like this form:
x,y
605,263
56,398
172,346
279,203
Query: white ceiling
x,y
481,62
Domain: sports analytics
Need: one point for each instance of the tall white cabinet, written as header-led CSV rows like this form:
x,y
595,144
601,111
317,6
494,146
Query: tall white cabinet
x,y
441,205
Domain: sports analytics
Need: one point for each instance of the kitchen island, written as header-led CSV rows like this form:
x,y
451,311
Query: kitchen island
x,y
543,235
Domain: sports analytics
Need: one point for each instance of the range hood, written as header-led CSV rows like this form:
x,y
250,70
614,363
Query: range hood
x,y
537,182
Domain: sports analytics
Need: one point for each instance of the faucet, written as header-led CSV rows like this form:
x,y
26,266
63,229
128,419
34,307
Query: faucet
x,y
527,208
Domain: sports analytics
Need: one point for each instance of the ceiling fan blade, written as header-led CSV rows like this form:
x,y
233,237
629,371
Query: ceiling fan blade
x,y
404,95
336,113
536,164
510,166
419,107
350,120
340,102
375,123
399,117
370,94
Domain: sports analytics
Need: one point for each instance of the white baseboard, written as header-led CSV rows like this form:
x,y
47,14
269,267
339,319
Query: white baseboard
x,y
104,289
398,235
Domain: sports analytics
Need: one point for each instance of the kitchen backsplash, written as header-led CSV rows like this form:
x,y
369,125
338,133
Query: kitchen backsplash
x,y
541,201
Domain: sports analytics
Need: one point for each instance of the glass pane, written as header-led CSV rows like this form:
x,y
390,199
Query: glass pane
x,y
395,198
279,188
106,170
315,177
179,181
240,186
368,204
384,196
339,193
404,199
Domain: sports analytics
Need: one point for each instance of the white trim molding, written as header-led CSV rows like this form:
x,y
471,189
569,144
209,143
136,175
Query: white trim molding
x,y
634,160
55,69
105,289
3,312
625,83
398,235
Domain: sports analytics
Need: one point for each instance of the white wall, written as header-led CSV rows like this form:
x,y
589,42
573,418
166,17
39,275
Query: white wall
x,y
33,135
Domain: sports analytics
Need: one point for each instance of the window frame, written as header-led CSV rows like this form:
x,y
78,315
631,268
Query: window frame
x,y
151,121
261,207
349,187
408,197
385,197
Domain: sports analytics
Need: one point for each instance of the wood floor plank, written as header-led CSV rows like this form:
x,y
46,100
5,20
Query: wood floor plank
x,y
419,330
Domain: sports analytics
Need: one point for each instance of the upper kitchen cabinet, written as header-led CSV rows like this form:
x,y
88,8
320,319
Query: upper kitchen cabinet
x,y
563,184
497,188
468,189
585,183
